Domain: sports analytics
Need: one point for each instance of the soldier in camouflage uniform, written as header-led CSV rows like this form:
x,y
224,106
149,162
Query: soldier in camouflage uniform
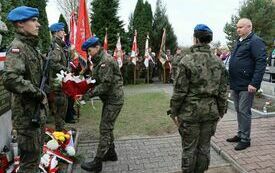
x,y
108,87
21,76
199,101
57,99
174,63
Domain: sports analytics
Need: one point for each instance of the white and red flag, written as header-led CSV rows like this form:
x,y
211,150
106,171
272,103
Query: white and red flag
x,y
83,32
147,56
105,44
118,54
134,52
73,28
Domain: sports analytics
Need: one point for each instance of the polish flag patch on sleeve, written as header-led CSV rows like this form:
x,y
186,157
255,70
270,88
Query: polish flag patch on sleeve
x,y
15,50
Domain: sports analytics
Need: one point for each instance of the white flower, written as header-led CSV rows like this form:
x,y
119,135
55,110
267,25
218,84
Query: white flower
x,y
267,103
45,160
260,90
52,144
70,150
54,162
90,80
60,76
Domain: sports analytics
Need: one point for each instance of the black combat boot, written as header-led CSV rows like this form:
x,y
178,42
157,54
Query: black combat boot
x,y
111,154
94,166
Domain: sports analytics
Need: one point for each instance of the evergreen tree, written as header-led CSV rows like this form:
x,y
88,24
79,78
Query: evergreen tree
x,y
44,33
66,28
7,6
261,13
161,21
230,31
130,33
104,15
63,20
142,22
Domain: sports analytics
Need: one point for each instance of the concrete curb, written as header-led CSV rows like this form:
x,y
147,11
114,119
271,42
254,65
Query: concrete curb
x,y
135,138
227,157
70,166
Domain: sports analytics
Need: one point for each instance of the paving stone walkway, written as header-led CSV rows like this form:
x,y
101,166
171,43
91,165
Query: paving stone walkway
x,y
260,157
147,155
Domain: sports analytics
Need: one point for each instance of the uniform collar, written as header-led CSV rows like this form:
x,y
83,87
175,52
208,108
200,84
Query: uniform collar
x,y
30,40
200,48
59,41
98,57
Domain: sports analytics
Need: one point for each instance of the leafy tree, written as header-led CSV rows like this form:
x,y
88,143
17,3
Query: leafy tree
x,y
216,45
67,7
161,21
261,13
104,15
44,32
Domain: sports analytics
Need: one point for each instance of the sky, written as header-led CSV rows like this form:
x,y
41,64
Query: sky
x,y
184,15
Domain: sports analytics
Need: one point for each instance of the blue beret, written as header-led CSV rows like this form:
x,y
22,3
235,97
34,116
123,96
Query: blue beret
x,y
22,13
202,27
57,27
92,41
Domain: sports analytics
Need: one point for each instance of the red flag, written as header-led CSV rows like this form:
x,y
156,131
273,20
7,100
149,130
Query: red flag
x,y
83,32
105,45
118,54
134,52
72,28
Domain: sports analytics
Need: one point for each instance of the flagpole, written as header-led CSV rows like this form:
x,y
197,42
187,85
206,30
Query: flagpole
x,y
164,73
163,40
148,74
148,71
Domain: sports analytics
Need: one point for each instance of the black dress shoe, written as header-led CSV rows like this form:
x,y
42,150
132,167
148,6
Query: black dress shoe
x,y
94,166
242,145
234,139
110,155
71,121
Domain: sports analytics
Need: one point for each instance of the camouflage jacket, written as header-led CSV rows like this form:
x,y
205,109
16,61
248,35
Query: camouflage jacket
x,y
174,62
22,75
108,78
58,61
200,90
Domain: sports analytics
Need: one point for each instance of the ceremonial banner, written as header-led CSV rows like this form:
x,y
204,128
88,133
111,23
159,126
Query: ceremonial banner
x,y
146,54
134,52
83,32
118,54
105,44
73,28
162,56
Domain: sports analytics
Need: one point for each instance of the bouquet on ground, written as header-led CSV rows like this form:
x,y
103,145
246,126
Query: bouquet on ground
x,y
59,147
74,86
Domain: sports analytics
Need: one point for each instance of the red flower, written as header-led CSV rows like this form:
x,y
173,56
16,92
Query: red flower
x,y
74,87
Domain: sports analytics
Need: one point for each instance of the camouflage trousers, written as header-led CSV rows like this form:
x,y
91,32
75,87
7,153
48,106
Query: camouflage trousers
x,y
30,144
58,103
196,145
108,118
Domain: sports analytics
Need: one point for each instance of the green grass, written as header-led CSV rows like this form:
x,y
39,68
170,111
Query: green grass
x,y
143,114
